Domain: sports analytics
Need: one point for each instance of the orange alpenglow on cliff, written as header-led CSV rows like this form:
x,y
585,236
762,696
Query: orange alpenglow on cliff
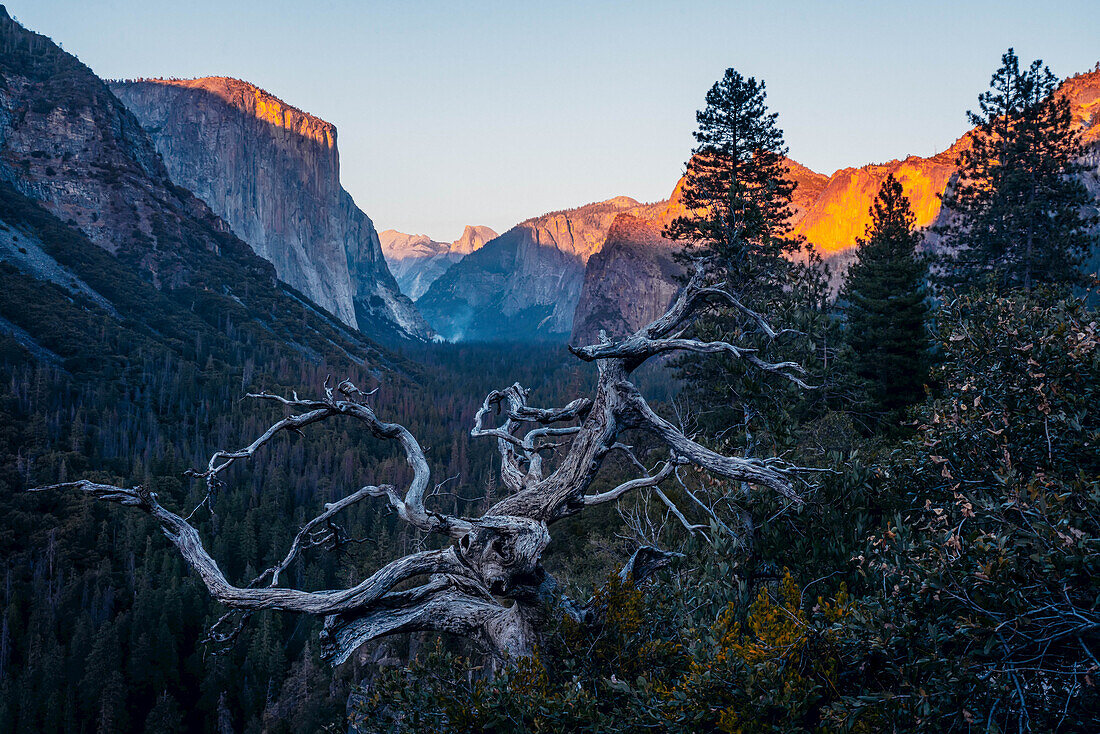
x,y
840,213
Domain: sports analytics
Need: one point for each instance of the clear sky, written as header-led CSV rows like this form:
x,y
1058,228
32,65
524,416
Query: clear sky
x,y
462,112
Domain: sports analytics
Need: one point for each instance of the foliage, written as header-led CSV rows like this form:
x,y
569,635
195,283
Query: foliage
x,y
955,580
652,662
1017,208
989,614
100,619
886,307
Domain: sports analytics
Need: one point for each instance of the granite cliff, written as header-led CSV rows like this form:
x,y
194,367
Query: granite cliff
x,y
417,260
632,278
272,172
625,283
102,256
840,213
628,283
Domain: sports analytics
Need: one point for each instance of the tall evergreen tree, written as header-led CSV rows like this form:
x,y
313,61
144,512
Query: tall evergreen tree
x,y
736,189
737,196
1016,206
886,306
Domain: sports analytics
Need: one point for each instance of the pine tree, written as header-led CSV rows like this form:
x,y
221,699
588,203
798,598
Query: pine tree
x,y
736,189
737,197
737,201
1016,208
886,306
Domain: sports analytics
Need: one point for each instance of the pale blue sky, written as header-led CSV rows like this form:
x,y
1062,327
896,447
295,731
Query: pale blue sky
x,y
491,112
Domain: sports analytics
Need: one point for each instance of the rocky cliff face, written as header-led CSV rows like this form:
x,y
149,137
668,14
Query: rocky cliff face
x,y
99,242
417,260
633,277
628,283
272,172
631,280
524,284
840,213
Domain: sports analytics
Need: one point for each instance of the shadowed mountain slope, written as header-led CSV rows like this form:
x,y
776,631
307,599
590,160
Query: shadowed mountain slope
x,y
98,240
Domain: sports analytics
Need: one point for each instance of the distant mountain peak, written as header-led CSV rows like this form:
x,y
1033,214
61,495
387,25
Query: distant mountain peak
x,y
473,237
416,260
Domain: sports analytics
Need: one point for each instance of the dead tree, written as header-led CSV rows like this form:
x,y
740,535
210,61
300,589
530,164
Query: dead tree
x,y
487,584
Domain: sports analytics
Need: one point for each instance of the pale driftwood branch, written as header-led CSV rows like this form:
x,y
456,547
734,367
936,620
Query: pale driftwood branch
x,y
444,610
409,508
637,348
186,539
664,334
495,556
672,507
317,412
689,526
614,494
754,471
706,508
576,409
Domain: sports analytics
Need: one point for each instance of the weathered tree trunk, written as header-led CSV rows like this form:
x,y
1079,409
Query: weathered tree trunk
x,y
488,584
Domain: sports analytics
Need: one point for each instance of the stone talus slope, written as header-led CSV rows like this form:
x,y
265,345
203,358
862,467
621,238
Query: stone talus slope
x,y
524,284
272,172
417,260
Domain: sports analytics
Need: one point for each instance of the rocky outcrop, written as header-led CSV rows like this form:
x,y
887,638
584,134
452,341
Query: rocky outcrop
x,y
524,284
272,172
417,260
628,283
841,212
103,256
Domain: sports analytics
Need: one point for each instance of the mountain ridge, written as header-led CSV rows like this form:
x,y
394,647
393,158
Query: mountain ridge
x,y
525,283
99,243
417,260
625,282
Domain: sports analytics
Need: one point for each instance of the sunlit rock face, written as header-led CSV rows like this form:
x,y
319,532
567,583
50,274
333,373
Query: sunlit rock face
x,y
272,172
79,174
840,214
524,284
631,279
417,260
1083,91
